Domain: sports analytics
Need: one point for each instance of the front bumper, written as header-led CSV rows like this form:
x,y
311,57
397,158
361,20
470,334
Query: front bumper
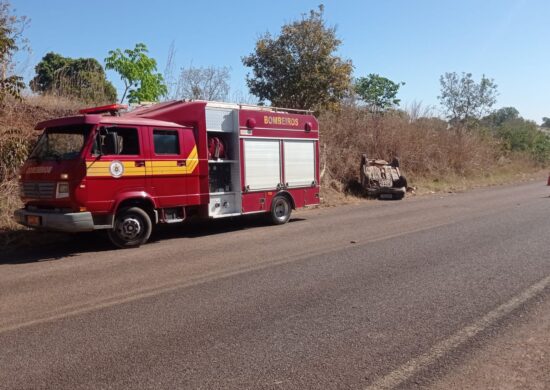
x,y
62,222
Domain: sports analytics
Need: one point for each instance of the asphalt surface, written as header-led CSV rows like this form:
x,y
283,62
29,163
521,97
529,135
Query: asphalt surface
x,y
337,298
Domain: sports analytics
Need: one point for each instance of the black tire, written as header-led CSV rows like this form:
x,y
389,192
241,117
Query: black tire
x,y
401,182
132,227
280,210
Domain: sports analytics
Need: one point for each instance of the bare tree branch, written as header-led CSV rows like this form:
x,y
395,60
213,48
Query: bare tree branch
x,y
169,72
205,83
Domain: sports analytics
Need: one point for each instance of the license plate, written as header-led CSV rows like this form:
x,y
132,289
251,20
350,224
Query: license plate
x,y
33,220
386,196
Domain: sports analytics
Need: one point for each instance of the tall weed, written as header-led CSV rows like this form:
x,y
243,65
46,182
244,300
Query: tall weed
x,y
425,146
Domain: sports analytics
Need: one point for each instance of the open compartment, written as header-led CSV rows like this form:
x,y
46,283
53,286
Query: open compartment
x,y
223,160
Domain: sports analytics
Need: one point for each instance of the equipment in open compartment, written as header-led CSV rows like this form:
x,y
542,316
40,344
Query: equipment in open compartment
x,y
219,177
216,148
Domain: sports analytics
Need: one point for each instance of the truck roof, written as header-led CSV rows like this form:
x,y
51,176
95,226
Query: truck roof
x,y
97,119
166,114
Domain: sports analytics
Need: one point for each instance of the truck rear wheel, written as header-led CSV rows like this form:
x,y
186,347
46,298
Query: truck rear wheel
x,y
280,210
132,227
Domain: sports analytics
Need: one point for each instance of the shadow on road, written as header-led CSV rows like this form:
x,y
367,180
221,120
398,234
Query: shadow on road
x,y
33,246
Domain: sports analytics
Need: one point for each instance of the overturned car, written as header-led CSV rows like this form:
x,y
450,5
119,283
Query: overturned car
x,y
382,180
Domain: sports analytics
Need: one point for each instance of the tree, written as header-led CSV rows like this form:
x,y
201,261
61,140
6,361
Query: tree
x,y
11,40
208,83
545,122
501,116
463,99
298,68
379,93
45,71
81,78
138,72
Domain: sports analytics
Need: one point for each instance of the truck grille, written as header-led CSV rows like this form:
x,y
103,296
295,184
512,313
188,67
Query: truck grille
x,y
38,189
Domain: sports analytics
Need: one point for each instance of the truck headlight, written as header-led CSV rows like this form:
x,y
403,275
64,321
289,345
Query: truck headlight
x,y
62,190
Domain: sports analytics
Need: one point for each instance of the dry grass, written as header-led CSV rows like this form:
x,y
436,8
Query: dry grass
x,y
425,146
429,152
333,196
33,109
9,201
17,135
500,176
55,104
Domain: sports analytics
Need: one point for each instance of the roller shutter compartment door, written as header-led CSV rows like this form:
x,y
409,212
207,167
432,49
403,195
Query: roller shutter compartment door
x,y
299,163
262,164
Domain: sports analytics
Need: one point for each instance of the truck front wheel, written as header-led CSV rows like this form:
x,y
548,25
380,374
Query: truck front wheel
x,y
280,210
132,227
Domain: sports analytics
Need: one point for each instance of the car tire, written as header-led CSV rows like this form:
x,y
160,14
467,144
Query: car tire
x,y
132,227
401,182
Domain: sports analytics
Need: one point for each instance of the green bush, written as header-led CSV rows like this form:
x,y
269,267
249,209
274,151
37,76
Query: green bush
x,y
520,135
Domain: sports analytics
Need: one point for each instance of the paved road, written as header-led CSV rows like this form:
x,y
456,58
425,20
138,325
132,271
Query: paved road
x,y
380,294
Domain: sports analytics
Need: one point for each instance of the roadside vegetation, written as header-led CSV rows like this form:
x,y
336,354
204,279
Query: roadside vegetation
x,y
466,141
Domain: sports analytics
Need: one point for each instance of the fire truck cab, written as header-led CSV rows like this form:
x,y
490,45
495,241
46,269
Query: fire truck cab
x,y
127,171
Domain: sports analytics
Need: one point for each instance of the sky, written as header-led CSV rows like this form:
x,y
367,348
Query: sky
x,y
410,41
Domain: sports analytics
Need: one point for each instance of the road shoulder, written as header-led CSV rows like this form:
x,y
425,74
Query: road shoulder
x,y
518,358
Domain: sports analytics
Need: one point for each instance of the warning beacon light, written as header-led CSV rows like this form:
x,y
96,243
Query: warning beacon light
x,y
111,108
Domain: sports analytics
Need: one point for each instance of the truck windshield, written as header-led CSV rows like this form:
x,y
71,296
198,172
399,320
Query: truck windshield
x,y
60,143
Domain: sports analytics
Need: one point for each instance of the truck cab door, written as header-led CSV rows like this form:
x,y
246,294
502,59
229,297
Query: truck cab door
x,y
168,166
119,169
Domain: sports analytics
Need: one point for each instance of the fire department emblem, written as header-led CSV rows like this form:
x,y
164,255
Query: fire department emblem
x,y
116,169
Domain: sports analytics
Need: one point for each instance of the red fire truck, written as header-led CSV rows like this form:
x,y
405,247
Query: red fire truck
x,y
125,171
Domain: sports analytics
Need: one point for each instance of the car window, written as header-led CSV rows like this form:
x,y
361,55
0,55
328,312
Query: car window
x,y
166,141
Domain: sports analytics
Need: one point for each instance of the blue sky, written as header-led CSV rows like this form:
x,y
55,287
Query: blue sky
x,y
410,41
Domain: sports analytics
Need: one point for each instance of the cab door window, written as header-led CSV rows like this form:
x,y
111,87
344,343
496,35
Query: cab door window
x,y
121,141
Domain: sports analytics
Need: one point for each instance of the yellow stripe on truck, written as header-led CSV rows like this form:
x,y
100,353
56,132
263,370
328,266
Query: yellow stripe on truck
x,y
151,168
101,168
171,167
